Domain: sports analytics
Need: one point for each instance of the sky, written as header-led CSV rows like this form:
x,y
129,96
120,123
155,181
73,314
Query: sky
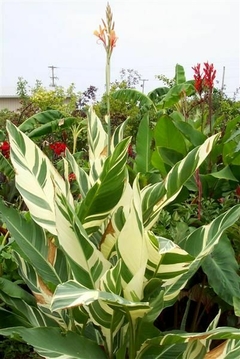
x,y
153,36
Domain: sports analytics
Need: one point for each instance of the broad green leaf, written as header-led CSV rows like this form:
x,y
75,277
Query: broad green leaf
x,y
158,94
51,127
107,191
225,173
6,168
195,137
168,136
142,161
175,94
13,290
34,178
179,75
221,269
40,118
129,95
10,319
55,343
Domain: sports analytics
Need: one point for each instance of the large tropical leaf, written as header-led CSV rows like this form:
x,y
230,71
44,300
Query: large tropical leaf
x,y
34,178
40,119
33,243
86,261
222,264
156,196
175,94
200,244
129,95
55,343
107,191
142,161
179,75
164,346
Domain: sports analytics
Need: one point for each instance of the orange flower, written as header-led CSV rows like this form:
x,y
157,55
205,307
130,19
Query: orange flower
x,y
112,39
101,34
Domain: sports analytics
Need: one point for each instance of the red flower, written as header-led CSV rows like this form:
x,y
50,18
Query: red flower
x,y
58,148
5,149
72,177
209,75
238,191
198,79
205,79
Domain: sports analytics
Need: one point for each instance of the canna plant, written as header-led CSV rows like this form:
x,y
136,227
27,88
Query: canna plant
x,y
97,276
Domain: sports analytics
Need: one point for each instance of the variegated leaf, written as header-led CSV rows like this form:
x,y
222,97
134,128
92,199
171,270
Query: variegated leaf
x,y
200,243
157,196
34,178
132,249
107,191
86,261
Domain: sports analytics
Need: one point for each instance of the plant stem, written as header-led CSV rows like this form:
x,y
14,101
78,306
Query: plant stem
x,y
195,318
131,349
108,103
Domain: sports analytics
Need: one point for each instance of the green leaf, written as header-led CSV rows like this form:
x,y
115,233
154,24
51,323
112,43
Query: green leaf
x,y
40,118
168,136
195,137
158,94
51,127
221,269
54,343
129,95
179,75
175,94
143,147
6,168
15,291
225,173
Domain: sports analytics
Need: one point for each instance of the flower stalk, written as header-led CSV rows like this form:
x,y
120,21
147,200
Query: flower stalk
x,y
107,36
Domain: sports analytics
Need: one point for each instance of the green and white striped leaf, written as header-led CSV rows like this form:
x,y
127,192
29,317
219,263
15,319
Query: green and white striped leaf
x,y
157,196
71,294
199,244
32,242
86,261
97,142
149,348
34,178
107,191
133,252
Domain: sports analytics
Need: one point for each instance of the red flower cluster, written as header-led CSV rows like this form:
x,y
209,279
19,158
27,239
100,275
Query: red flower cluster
x,y
58,148
5,149
71,177
205,79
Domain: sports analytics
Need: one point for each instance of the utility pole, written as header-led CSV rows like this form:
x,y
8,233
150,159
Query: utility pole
x,y
143,83
223,78
53,77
